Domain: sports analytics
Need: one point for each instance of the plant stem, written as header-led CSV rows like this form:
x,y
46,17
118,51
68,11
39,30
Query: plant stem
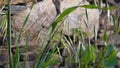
x,y
9,35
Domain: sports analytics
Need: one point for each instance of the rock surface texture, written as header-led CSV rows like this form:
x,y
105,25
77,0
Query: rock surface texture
x,y
41,16
79,19
44,13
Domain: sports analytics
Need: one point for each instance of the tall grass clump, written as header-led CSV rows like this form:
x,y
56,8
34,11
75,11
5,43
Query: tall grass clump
x,y
14,60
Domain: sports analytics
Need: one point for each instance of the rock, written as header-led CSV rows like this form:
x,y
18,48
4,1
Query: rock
x,y
114,39
30,56
16,1
15,9
41,16
24,64
113,2
28,64
22,49
4,56
78,19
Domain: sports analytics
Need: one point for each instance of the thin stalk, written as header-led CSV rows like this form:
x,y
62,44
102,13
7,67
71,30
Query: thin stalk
x,y
9,35
26,50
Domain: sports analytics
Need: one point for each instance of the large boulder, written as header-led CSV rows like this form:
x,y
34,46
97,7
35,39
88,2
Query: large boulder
x,y
78,19
41,16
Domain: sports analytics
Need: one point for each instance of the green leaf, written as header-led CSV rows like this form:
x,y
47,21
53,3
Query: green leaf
x,y
89,55
97,7
109,49
109,8
91,6
104,37
61,17
52,61
92,53
110,59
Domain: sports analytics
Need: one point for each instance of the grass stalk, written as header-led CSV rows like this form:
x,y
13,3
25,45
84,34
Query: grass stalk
x,y
9,39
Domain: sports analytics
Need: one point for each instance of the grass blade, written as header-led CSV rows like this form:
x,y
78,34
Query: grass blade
x,y
9,39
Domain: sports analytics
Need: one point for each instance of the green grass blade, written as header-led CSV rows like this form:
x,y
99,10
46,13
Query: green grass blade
x,y
26,49
9,39
42,51
60,18
90,6
24,23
